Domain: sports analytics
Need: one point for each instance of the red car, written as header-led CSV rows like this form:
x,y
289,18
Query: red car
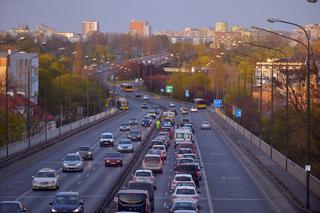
x,y
113,159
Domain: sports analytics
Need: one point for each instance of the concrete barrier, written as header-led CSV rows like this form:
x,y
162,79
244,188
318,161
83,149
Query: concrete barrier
x,y
296,171
315,185
266,148
279,158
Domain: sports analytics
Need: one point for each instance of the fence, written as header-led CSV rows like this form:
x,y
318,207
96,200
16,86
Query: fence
x,y
43,137
293,169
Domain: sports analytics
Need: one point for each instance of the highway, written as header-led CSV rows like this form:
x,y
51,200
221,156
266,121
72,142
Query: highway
x,y
92,183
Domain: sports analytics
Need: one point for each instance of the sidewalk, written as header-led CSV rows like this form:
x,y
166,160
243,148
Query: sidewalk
x,y
288,183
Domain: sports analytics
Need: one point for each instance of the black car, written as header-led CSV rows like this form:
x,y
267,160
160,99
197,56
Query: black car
x,y
11,206
145,123
133,121
144,106
144,186
67,202
135,135
137,95
191,169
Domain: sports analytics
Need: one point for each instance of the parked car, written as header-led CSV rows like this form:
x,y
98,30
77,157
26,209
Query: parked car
x,y
125,145
113,159
106,139
135,135
152,162
67,202
72,162
205,125
86,152
45,178
133,200
12,206
124,127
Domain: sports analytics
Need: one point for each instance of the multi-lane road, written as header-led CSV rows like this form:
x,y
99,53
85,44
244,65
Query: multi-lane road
x,y
226,185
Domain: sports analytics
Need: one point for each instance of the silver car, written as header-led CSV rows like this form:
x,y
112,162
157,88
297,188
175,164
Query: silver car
x,y
125,145
205,125
46,178
73,162
86,152
153,163
124,127
106,139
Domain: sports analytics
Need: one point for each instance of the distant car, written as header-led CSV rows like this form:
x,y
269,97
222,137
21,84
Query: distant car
x,y
137,95
205,125
72,162
146,97
67,202
171,104
113,159
124,127
185,193
135,135
125,145
106,139
183,110
46,178
193,109
178,178
185,206
133,121
86,152
181,151
145,123
12,207
152,114
152,162
143,175
144,106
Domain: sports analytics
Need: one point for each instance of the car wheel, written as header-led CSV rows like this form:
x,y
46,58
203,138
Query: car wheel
x,y
121,164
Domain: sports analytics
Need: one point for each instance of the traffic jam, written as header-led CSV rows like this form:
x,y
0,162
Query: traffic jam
x,y
173,136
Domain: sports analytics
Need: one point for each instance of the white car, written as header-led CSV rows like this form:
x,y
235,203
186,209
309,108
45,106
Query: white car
x,y
181,178
162,148
145,97
205,125
193,109
171,104
106,139
143,175
186,193
46,178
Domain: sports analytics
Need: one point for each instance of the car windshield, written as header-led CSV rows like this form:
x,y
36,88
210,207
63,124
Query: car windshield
x,y
124,142
183,178
186,160
152,159
158,147
133,119
66,200
183,151
185,191
132,198
72,158
113,154
9,208
124,124
183,206
135,132
185,184
143,174
46,174
84,148
154,151
106,136
186,168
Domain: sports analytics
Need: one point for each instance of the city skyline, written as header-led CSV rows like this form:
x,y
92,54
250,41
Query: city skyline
x,y
164,15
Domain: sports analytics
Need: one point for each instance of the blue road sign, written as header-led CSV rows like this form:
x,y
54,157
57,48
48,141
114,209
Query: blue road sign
x,y
238,113
217,103
186,93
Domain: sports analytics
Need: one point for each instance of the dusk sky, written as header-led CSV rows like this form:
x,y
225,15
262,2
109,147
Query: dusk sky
x,y
114,15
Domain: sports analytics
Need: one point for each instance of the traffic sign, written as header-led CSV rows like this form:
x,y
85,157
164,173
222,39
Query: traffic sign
x,y
186,93
169,89
217,103
238,113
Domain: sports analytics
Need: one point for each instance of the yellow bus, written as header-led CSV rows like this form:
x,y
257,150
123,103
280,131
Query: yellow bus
x,y
200,103
122,103
126,87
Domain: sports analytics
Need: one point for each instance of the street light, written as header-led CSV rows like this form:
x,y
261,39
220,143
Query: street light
x,y
307,47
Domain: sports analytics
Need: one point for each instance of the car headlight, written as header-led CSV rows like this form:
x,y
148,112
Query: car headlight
x,y
89,153
65,165
77,209
53,210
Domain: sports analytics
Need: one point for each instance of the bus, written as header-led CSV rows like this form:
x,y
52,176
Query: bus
x,y
122,103
200,103
126,87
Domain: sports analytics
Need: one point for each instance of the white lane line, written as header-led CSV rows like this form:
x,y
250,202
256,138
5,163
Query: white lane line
x,y
88,175
23,195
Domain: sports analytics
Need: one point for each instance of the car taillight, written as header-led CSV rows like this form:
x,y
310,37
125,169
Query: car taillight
x,y
173,197
198,173
195,197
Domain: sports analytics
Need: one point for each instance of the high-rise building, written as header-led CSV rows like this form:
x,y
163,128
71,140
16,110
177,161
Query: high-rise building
x,y
23,74
90,26
139,28
221,27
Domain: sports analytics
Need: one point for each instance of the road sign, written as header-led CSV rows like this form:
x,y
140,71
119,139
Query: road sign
x,y
186,93
169,89
217,103
238,113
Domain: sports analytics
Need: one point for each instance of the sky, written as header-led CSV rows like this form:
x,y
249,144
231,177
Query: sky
x,y
114,15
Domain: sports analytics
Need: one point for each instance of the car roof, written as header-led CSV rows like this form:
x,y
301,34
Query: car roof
x,y
73,154
133,191
143,170
185,187
46,170
183,175
107,133
67,193
151,155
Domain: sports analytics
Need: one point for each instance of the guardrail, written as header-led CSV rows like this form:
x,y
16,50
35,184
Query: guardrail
x,y
21,149
286,164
